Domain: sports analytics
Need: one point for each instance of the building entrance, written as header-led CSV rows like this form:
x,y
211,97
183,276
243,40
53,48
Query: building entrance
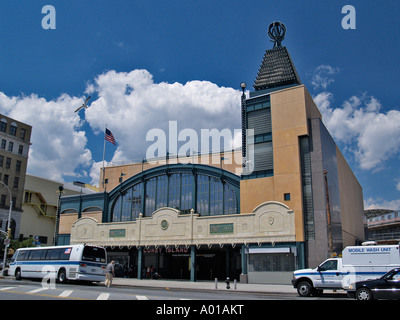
x,y
175,262
177,266
217,262
125,261
168,262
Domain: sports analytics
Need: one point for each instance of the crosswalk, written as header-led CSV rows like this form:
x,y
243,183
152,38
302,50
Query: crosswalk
x,y
103,296
70,294
37,290
66,293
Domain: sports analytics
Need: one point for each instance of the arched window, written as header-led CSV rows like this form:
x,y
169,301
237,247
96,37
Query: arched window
x,y
129,204
13,129
215,197
3,125
206,193
65,211
92,209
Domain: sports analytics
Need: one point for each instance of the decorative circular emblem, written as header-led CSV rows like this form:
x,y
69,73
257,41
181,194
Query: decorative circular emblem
x,y
276,31
271,220
164,224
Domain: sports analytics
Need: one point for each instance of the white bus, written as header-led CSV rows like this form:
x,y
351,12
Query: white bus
x,y
73,262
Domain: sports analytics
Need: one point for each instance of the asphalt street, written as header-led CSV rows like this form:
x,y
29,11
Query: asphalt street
x,y
34,290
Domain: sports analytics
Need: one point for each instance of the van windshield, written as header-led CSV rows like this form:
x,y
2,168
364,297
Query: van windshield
x,y
94,254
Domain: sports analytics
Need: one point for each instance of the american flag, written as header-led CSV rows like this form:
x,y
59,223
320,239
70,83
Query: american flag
x,y
109,137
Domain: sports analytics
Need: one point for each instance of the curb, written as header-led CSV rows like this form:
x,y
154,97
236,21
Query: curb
x,y
222,288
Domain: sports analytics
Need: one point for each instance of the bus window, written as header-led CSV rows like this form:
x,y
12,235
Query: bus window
x,y
94,254
53,254
23,255
37,254
65,253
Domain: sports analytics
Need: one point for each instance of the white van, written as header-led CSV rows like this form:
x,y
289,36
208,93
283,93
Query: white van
x,y
357,264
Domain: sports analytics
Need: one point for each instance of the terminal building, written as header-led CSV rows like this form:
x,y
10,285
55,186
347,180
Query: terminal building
x,y
290,202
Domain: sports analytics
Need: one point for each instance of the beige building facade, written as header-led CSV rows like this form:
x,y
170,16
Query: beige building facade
x,y
290,201
39,209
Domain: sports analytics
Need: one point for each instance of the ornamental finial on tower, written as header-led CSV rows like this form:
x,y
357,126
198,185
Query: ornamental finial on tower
x,y
277,31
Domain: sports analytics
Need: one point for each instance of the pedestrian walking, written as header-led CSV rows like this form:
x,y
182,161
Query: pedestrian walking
x,y
109,273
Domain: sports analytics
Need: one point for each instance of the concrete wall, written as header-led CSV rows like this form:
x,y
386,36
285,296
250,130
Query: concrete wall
x,y
290,110
352,203
270,222
345,198
271,277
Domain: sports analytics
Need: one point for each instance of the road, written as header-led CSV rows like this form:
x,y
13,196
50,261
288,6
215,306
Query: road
x,y
29,297
33,290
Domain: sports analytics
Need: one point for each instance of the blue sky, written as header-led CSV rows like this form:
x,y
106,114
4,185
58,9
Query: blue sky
x,y
184,61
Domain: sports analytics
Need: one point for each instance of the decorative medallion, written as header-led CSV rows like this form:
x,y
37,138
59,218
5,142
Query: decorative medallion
x,y
271,220
164,224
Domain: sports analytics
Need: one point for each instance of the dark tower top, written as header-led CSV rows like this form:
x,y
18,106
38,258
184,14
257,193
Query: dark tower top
x,y
277,68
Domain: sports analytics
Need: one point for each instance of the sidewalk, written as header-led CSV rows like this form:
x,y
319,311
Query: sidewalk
x,y
205,285
199,285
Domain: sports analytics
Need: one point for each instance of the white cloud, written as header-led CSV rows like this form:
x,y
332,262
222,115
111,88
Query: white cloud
x,y
322,76
369,133
372,203
95,172
58,145
373,136
131,104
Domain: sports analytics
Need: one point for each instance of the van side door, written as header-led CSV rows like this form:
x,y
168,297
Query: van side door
x,y
328,275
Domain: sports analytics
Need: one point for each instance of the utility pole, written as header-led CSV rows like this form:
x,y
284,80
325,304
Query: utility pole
x,y
328,215
7,240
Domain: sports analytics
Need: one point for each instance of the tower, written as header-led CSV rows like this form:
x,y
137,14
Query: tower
x,y
276,72
287,151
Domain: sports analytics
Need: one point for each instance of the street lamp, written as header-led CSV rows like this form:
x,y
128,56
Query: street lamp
x,y
243,111
7,240
60,192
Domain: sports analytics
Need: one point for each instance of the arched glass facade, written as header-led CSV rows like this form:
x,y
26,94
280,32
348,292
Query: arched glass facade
x,y
205,192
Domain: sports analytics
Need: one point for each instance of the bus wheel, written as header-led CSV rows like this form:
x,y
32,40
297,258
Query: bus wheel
x,y
18,274
62,276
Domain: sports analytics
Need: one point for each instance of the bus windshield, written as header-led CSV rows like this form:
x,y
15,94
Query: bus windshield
x,y
94,254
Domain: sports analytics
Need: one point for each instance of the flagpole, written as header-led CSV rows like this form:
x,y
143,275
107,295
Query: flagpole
x,y
104,153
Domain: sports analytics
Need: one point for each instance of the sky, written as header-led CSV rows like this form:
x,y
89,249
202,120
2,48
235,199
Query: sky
x,y
145,63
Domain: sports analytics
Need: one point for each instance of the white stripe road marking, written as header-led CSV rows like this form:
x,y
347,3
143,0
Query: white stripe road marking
x,y
142,298
7,288
65,293
103,296
37,290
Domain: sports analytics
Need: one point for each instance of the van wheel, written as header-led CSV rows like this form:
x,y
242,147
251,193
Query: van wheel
x,y
304,289
18,275
364,294
62,276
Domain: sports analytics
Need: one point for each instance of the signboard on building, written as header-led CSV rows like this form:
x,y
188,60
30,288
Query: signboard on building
x,y
117,233
221,228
